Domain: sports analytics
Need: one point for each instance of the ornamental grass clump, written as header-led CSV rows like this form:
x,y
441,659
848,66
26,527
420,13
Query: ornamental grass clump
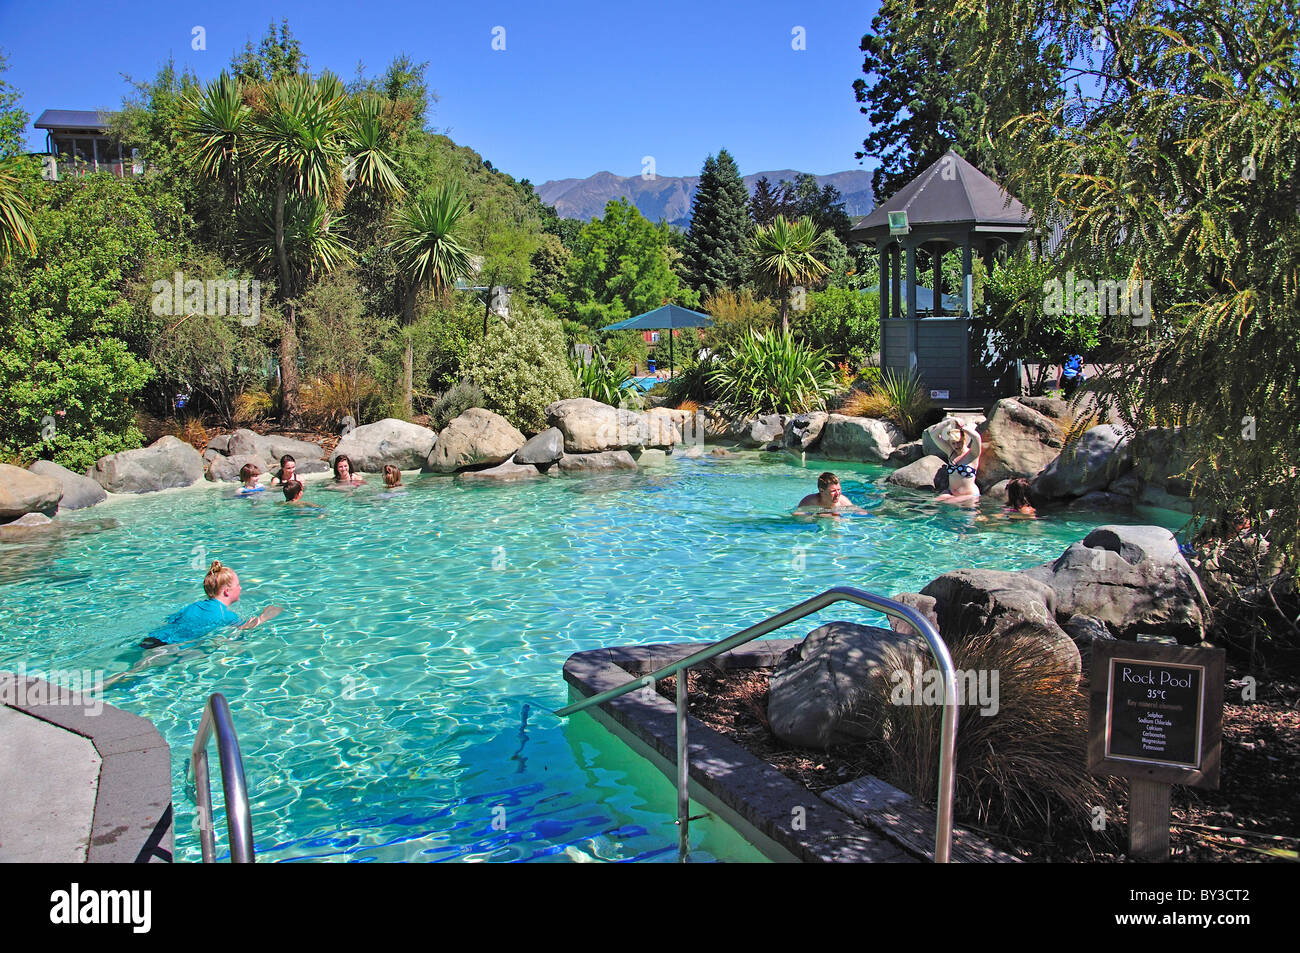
x,y
1021,756
773,373
900,398
599,379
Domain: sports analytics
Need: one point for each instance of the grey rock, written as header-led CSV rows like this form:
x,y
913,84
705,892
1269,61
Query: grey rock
x,y
369,447
78,491
23,492
477,437
1053,407
1100,455
921,475
803,431
219,444
651,457
226,469
1130,485
502,472
1019,441
1084,629
209,455
862,439
605,460
925,605
906,453
1161,456
308,467
1101,500
275,446
1004,605
1131,578
243,443
592,427
819,687
543,449
998,491
167,462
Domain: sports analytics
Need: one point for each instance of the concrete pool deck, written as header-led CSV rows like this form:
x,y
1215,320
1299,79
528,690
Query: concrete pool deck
x,y
80,781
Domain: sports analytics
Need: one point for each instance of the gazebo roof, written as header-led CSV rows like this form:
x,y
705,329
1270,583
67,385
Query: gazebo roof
x,y
950,192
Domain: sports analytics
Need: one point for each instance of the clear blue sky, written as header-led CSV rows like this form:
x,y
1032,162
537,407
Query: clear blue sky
x,y
580,87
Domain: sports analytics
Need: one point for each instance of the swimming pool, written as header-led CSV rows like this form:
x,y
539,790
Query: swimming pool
x,y
400,708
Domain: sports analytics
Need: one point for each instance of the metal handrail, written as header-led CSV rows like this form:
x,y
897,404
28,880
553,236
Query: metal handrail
x,y
239,819
890,607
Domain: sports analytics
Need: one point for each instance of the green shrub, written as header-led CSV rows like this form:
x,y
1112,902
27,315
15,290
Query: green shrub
x,y
600,380
691,382
521,368
843,322
454,402
773,373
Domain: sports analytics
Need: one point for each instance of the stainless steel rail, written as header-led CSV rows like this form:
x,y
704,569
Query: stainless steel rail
x,y
239,820
948,730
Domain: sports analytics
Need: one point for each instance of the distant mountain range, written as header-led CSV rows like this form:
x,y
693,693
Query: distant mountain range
x,y
669,197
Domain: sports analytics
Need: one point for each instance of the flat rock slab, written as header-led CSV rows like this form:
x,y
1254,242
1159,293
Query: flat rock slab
x,y
48,781
609,460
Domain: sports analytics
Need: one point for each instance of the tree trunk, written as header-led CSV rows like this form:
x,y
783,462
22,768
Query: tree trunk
x,y
408,359
785,304
290,412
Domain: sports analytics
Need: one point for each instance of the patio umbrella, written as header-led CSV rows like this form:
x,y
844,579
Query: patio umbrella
x,y
669,316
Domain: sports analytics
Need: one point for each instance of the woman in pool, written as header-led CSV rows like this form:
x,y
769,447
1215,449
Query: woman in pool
x,y
288,467
1018,499
964,447
343,475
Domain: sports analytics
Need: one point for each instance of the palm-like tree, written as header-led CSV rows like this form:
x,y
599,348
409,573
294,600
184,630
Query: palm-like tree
x,y
786,255
15,231
427,245
293,140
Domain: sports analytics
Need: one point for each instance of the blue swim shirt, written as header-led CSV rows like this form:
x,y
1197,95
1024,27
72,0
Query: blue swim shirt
x,y
195,621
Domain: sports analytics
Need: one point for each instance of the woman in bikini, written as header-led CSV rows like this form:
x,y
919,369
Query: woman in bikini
x,y
964,447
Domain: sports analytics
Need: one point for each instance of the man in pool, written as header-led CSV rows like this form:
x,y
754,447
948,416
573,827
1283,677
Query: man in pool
x,y
198,619
828,498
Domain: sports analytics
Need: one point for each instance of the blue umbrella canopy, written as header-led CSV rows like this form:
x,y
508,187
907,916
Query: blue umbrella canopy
x,y
668,316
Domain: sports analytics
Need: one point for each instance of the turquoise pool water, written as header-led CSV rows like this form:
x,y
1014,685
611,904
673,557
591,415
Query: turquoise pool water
x,y
400,708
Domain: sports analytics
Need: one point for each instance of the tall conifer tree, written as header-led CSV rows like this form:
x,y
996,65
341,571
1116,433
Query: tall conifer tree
x,y
716,246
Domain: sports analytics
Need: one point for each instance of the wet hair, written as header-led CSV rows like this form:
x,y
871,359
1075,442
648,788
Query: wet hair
x,y
342,458
248,471
292,490
287,458
392,475
1018,493
218,578
826,479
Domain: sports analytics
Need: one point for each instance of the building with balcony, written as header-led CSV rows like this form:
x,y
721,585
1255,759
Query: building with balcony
x,y
79,142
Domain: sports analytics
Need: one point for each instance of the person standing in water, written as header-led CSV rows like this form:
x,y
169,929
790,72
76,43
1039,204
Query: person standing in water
x,y
828,498
964,446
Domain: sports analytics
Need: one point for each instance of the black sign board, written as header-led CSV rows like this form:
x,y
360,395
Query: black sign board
x,y
1156,712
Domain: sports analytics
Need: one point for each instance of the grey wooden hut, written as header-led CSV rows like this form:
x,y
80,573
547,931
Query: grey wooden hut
x,y
950,204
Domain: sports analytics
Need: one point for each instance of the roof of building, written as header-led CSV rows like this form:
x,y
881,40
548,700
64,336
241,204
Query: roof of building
x,y
73,119
951,191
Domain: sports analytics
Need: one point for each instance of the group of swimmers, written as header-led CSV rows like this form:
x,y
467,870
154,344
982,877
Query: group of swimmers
x,y
286,478
830,498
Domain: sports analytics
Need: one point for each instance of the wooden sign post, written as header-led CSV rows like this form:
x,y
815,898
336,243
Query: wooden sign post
x,y
1156,718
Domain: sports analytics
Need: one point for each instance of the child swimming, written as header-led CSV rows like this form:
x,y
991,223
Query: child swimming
x,y
392,477
198,619
293,496
248,474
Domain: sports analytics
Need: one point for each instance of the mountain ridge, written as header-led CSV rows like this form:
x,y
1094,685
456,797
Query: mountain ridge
x,y
669,197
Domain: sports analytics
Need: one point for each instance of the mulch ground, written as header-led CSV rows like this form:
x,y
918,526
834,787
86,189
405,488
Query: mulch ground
x,y
1253,811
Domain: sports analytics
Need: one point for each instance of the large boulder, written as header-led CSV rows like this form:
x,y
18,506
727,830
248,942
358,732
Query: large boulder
x,y
78,491
270,447
606,460
922,475
543,449
244,443
226,469
23,492
862,439
405,445
1161,457
1003,605
476,438
803,431
1099,456
664,430
1133,579
1019,441
501,473
592,427
818,687
761,431
167,462
905,453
